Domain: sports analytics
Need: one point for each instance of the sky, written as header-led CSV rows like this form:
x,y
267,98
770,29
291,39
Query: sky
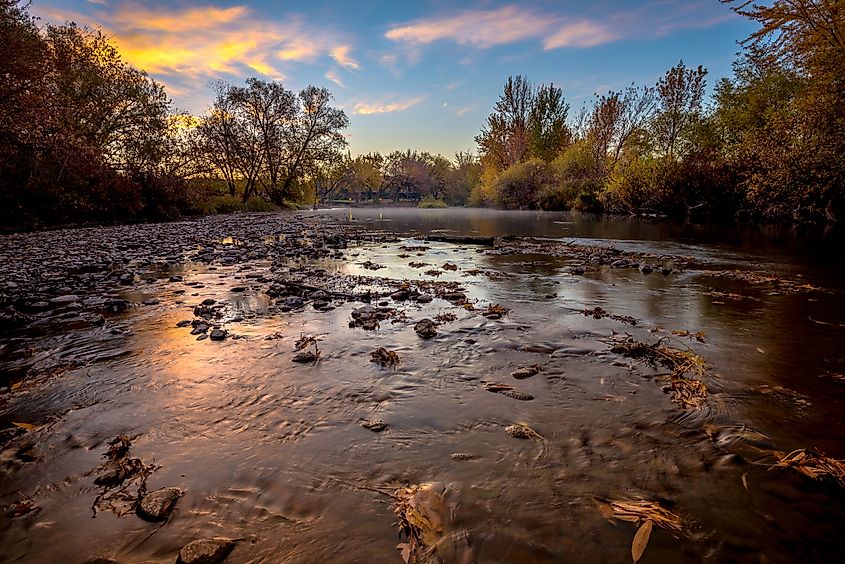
x,y
422,75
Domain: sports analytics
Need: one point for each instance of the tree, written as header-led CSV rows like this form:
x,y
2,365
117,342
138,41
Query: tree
x,y
680,93
104,102
795,154
312,137
548,130
269,139
267,109
505,139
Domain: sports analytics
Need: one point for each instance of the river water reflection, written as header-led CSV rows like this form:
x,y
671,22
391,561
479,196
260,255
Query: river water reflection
x,y
273,452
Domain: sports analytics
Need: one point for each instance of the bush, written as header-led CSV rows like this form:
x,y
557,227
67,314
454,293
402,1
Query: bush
x,y
519,186
256,204
430,202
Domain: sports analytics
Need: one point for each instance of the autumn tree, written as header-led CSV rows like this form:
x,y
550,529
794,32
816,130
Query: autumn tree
x,y
548,130
680,93
794,156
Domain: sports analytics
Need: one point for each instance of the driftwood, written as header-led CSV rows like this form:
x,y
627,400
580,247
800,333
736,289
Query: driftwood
x,y
463,239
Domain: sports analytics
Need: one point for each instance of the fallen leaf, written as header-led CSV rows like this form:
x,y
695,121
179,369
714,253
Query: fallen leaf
x,y
641,540
25,426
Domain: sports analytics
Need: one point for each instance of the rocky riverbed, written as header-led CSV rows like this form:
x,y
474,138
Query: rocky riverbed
x,y
280,387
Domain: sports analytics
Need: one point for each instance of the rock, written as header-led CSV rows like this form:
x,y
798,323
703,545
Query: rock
x,y
184,323
320,305
175,278
306,357
127,279
218,334
426,328
202,337
400,295
238,289
454,297
461,456
294,303
423,299
151,302
374,425
646,268
116,305
64,300
157,505
206,551
525,372
204,312
209,302
200,328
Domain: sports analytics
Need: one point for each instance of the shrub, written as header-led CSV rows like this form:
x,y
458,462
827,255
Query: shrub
x,y
518,187
256,204
430,202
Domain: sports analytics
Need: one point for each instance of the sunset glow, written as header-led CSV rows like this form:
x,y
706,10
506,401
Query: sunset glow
x,y
434,70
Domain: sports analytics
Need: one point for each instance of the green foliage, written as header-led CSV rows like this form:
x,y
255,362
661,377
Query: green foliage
x,y
256,204
430,203
520,186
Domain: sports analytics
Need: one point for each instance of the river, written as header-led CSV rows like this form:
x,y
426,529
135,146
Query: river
x,y
273,452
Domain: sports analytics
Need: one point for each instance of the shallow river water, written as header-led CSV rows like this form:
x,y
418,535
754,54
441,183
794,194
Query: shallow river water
x,y
273,452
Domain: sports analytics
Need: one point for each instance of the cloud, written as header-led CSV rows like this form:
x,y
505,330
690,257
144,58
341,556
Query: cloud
x,y
485,28
479,28
204,41
369,108
582,33
464,111
341,55
332,75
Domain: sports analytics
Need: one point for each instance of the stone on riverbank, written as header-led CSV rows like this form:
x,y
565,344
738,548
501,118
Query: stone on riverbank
x,y
157,505
206,551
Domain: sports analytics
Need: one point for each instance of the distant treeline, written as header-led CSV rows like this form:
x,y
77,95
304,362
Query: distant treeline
x,y
86,137
770,145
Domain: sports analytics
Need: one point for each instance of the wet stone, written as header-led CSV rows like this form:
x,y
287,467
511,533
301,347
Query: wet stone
x,y
157,505
525,372
218,334
426,328
206,551
64,300
400,295
306,357
374,425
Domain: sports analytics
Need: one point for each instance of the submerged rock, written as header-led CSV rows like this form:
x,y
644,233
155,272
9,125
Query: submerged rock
x,y
374,425
426,328
206,551
157,505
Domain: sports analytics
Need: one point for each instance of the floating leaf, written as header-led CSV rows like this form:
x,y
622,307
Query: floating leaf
x,y
813,464
641,540
25,426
